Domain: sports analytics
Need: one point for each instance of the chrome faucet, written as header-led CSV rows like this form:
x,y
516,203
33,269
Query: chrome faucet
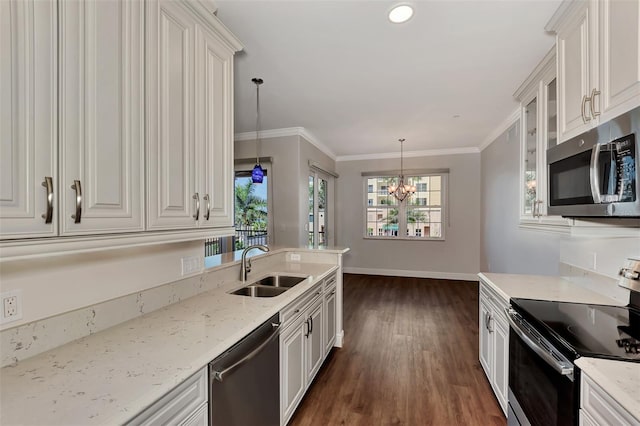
x,y
245,264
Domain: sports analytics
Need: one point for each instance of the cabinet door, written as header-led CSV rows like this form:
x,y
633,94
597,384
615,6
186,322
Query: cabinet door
x,y
574,75
315,350
28,117
619,57
486,350
101,116
293,370
213,129
330,319
500,332
170,116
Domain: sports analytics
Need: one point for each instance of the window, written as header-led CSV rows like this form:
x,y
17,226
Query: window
x,y
420,216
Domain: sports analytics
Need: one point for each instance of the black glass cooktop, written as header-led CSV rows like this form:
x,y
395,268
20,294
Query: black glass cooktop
x,y
586,330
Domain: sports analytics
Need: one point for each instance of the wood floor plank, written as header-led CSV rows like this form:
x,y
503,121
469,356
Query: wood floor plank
x,y
410,357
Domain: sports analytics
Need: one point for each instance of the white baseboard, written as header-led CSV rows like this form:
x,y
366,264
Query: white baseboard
x,y
413,274
339,339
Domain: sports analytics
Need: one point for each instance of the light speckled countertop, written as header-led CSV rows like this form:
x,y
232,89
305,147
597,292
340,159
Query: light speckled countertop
x,y
110,376
619,379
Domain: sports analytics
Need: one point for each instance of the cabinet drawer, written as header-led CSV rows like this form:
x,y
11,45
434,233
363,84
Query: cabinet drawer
x,y
178,405
297,306
601,407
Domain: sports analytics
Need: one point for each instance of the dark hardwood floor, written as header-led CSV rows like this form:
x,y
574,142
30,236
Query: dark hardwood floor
x,y
410,357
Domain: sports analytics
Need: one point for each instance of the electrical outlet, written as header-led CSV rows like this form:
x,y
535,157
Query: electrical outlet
x,y
191,265
11,306
295,257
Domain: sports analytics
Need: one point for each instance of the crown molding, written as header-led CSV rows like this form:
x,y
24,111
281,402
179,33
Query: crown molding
x,y
425,153
287,131
502,127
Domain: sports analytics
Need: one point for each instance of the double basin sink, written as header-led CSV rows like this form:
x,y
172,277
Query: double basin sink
x,y
269,286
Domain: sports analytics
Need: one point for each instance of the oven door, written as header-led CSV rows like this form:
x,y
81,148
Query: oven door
x,y
543,384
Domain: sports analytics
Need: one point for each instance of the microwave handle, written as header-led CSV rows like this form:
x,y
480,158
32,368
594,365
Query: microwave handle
x,y
594,173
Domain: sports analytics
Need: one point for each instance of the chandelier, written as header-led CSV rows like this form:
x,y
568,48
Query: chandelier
x,y
401,190
257,174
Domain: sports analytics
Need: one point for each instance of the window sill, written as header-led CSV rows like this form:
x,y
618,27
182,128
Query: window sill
x,y
374,237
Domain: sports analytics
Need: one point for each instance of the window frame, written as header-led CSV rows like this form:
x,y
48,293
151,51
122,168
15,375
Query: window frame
x,y
402,206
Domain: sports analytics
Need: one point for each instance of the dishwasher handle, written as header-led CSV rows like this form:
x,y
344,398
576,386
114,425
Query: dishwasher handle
x,y
219,375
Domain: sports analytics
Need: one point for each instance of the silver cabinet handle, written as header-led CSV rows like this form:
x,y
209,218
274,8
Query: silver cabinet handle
x,y
594,93
219,375
585,117
311,321
489,318
78,188
48,183
207,199
306,333
196,197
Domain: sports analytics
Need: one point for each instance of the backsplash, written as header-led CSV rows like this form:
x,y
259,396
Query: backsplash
x,y
595,282
30,339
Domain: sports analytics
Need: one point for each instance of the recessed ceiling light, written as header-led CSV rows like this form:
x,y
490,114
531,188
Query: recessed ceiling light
x,y
400,13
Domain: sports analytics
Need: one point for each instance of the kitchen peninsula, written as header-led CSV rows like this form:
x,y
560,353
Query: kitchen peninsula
x,y
111,376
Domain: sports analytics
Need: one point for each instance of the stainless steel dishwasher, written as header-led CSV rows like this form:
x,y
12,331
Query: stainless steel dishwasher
x,y
245,380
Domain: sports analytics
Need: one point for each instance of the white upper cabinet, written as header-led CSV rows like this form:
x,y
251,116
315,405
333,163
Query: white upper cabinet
x,y
170,116
538,132
189,122
101,116
214,128
28,119
598,62
116,117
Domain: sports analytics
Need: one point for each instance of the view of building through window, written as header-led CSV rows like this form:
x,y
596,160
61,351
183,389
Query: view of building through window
x,y
419,215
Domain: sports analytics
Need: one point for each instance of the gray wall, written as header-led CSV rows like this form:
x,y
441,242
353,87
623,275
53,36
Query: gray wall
x,y
506,247
456,257
289,177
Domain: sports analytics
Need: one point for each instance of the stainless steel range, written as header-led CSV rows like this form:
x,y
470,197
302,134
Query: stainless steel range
x,y
546,338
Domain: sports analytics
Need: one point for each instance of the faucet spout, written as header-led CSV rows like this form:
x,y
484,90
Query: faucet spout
x,y
245,264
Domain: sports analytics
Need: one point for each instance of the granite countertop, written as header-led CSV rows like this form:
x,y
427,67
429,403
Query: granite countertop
x,y
111,376
618,378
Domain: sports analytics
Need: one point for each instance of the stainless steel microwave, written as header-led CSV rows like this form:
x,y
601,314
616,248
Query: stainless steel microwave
x,y
595,174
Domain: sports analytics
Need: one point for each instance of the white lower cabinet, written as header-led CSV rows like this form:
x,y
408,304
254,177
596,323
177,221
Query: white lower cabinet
x,y
597,407
329,317
187,404
309,332
494,343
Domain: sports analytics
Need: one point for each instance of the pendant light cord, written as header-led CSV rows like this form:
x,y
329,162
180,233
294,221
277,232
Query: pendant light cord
x,y
258,82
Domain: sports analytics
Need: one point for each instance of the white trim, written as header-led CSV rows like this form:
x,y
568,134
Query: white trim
x,y
287,131
47,247
502,127
424,153
339,339
413,274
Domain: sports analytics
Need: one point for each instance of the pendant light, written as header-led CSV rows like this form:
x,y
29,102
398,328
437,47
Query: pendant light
x,y
401,190
257,174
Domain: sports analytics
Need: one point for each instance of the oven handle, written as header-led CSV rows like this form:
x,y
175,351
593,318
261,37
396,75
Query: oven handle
x,y
594,174
564,368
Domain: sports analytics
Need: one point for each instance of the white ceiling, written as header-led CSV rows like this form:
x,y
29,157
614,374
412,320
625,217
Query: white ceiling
x,y
357,82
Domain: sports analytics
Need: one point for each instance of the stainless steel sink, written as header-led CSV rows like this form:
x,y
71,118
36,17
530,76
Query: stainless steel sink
x,y
269,286
284,281
259,291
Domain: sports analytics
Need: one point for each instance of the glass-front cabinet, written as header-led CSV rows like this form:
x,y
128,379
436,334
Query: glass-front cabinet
x,y
537,96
